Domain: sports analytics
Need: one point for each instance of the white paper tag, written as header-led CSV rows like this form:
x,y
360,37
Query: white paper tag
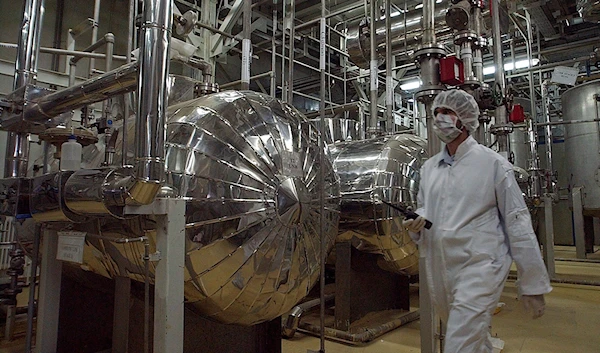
x,y
565,75
70,246
292,163
373,74
246,59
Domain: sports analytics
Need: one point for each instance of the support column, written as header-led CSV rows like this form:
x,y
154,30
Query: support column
x,y
168,286
578,227
549,237
120,336
49,295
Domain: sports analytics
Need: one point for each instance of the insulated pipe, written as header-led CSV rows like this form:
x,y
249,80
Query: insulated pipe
x,y
17,147
548,127
246,44
97,89
126,111
373,129
152,100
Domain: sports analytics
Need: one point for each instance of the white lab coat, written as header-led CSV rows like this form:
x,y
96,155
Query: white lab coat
x,y
480,225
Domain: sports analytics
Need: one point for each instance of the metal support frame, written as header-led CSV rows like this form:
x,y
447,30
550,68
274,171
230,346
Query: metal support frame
x,y
169,274
120,338
578,226
49,295
548,250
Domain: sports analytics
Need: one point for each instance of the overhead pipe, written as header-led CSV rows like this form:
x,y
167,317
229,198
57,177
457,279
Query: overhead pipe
x,y
97,89
153,76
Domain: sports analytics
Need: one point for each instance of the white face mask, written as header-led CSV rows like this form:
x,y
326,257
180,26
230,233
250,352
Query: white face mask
x,y
444,126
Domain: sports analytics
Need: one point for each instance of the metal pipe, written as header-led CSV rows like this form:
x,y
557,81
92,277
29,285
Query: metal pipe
x,y
389,83
316,21
549,164
273,54
293,320
239,82
32,284
97,89
17,147
477,53
373,129
322,237
95,30
292,24
126,111
500,114
17,155
429,22
66,52
246,44
152,99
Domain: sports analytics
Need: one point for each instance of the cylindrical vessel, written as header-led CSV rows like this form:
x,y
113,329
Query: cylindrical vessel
x,y
248,166
389,168
582,142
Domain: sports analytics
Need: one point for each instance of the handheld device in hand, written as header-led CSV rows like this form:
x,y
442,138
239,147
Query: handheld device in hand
x,y
407,213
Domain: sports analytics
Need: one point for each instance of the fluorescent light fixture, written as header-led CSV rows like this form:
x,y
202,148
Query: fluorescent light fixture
x,y
419,6
438,1
410,85
521,64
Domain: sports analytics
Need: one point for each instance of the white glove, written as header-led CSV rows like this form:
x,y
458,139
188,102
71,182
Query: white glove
x,y
414,225
535,304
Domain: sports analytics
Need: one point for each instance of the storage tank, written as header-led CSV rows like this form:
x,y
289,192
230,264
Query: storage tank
x,y
389,168
248,166
582,144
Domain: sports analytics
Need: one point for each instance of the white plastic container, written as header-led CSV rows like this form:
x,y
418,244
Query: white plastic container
x,y
70,154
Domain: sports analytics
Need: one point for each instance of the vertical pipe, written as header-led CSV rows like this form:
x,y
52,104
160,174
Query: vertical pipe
x,y
389,84
549,164
95,31
283,82
501,113
17,153
373,118
32,285
246,44
17,148
534,164
323,252
291,52
58,23
109,151
152,92
429,21
477,54
126,112
274,55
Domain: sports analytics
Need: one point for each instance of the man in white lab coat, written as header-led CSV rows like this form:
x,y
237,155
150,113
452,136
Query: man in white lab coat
x,y
480,225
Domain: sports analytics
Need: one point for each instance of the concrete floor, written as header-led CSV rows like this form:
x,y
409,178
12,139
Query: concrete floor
x,y
571,323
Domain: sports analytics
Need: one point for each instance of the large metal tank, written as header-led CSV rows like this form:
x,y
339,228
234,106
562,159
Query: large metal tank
x,y
582,142
389,168
248,166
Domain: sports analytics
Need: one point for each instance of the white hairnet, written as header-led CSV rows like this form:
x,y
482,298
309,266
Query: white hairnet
x,y
463,104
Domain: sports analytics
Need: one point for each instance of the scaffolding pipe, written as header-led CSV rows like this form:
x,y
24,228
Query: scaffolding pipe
x,y
95,31
373,129
246,44
389,80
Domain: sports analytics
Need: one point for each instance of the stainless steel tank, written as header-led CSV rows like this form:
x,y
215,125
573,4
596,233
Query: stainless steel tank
x,y
389,168
248,166
582,142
